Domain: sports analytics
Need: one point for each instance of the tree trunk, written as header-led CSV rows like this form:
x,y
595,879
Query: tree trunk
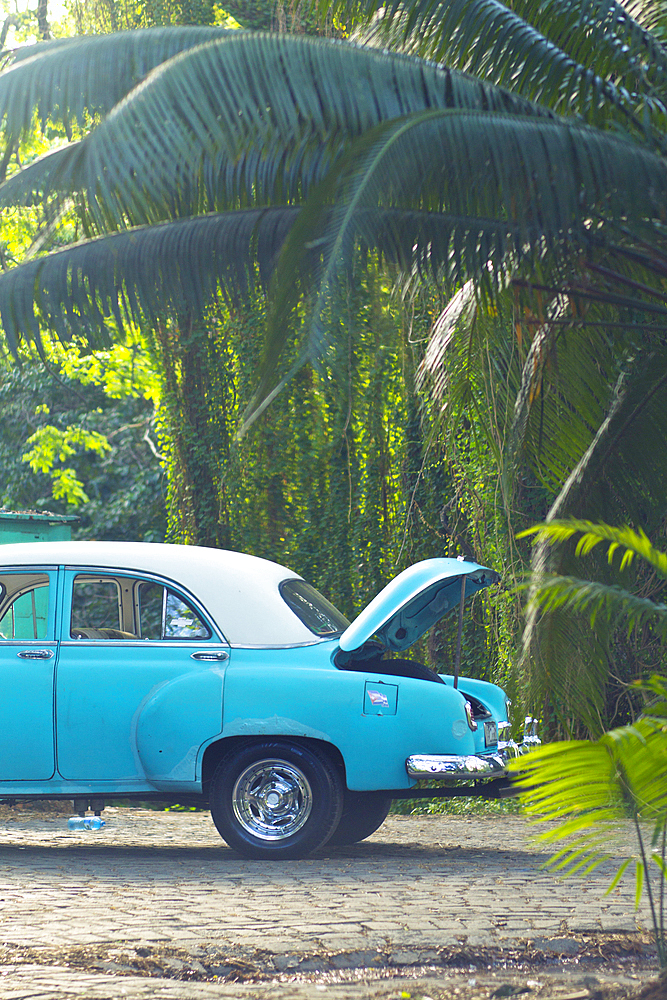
x,y
200,446
43,20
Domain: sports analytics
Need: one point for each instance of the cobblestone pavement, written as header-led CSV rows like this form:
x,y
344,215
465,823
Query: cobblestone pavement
x,y
159,895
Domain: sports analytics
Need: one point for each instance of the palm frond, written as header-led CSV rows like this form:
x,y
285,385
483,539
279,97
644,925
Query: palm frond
x,y
604,33
585,788
178,267
496,180
567,361
70,79
622,476
251,116
51,175
596,599
626,541
565,669
589,58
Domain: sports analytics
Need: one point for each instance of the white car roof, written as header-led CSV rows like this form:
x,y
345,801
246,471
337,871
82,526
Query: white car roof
x,y
239,591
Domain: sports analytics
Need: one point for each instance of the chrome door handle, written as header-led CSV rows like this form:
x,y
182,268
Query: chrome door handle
x,y
210,654
35,654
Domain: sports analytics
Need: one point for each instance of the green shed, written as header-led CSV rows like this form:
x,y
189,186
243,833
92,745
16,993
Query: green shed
x,y
35,526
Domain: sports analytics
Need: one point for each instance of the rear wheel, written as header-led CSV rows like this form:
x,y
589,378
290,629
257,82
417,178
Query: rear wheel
x,y
275,799
363,813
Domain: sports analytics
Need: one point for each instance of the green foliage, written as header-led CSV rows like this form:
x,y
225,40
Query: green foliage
x,y
457,806
565,369
624,541
103,16
123,482
334,481
51,445
585,788
621,608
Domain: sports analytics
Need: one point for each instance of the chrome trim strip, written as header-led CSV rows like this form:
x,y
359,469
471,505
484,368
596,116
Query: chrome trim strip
x,y
275,645
137,643
455,767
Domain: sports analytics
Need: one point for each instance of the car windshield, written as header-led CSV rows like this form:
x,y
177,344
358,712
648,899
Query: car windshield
x,y
316,613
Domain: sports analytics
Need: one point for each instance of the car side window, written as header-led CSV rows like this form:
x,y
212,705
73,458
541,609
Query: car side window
x,y
24,606
96,608
117,607
181,622
164,614
149,603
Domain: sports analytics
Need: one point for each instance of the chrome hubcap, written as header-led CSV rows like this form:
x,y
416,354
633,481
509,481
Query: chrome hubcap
x,y
272,799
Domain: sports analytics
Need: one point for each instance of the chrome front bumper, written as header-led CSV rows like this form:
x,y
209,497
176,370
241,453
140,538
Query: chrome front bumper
x,y
474,767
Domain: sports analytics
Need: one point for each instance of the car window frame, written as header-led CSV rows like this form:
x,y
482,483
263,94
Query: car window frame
x,y
54,586
70,572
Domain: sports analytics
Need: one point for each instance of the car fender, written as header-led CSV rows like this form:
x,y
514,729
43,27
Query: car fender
x,y
299,698
489,694
174,721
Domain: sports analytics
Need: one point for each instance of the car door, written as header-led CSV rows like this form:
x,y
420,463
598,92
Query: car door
x,y
27,668
124,638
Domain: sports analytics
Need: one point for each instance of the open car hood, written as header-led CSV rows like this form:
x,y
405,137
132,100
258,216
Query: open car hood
x,y
414,600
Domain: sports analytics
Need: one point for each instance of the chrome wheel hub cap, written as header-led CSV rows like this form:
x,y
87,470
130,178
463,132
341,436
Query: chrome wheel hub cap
x,y
272,799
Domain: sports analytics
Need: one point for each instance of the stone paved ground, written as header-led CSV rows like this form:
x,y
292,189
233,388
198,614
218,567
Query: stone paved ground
x,y
157,905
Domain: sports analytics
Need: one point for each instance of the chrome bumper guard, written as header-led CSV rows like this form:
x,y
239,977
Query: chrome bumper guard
x,y
475,767
455,768
529,742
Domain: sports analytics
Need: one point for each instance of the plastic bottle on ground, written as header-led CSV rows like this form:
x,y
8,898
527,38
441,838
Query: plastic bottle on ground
x,y
85,823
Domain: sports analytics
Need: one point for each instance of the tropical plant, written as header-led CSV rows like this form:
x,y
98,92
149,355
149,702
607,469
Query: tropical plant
x,y
117,490
621,605
235,120
583,789
586,787
566,372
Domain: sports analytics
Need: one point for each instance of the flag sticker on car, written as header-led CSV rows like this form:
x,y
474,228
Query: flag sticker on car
x,y
380,698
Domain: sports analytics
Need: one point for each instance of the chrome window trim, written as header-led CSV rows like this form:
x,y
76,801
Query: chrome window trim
x,y
28,642
164,581
273,645
27,567
139,643
163,623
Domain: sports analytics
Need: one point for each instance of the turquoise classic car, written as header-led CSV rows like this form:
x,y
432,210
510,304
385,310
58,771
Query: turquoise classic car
x,y
195,675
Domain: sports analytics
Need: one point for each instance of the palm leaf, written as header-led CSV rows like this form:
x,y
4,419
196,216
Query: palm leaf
x,y
249,116
595,599
592,784
626,540
560,601
490,171
605,33
585,788
72,78
586,58
92,287
53,174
